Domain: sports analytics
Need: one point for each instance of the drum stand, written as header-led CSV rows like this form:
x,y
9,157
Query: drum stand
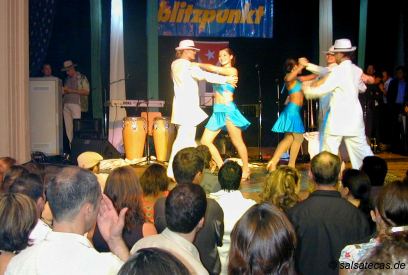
x,y
148,160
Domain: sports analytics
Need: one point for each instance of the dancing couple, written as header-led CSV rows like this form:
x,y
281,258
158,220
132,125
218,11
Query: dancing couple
x,y
187,114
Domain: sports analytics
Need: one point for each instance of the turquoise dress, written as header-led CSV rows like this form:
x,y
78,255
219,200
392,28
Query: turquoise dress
x,y
229,111
290,120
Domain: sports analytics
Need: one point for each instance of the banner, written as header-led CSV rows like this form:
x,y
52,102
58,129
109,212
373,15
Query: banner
x,y
216,18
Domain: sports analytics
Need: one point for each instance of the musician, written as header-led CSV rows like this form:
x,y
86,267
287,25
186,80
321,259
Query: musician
x,y
76,91
186,111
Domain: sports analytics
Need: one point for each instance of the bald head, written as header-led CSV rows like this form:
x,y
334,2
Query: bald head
x,y
325,168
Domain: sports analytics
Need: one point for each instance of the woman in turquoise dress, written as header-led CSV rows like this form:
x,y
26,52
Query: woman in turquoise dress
x,y
290,121
226,115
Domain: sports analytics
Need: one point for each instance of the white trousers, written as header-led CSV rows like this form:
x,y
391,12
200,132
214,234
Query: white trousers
x,y
71,112
185,138
357,147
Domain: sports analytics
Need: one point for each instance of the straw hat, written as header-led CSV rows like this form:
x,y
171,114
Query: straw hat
x,y
187,45
343,46
68,64
89,159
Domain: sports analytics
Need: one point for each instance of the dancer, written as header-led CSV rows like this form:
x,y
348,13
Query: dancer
x,y
290,120
345,116
186,112
226,115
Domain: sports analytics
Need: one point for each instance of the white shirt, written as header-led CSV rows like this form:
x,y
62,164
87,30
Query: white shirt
x,y
234,206
186,102
63,254
39,232
170,241
346,116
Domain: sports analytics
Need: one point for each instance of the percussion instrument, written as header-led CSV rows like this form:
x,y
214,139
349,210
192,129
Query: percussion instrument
x,y
134,136
164,134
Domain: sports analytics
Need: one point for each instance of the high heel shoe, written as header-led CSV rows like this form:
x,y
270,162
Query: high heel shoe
x,y
246,175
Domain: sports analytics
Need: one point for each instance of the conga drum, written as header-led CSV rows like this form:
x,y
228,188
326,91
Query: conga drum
x,y
164,134
134,136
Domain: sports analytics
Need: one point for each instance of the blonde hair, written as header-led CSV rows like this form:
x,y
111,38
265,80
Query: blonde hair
x,y
282,187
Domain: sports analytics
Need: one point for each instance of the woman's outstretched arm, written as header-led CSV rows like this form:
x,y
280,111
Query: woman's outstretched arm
x,y
218,69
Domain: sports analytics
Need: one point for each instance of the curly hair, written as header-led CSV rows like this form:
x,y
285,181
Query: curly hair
x,y
282,187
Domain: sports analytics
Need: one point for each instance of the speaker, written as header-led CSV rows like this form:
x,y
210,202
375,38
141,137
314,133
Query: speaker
x,y
87,128
100,146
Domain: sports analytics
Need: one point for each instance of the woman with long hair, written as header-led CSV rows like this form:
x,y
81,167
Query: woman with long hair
x,y
226,115
263,241
155,183
124,190
290,121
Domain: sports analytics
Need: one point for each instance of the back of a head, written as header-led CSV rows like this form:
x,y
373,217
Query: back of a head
x,y
11,175
263,241
69,190
376,169
392,204
154,261
154,180
205,154
390,257
18,217
30,185
230,175
281,187
325,168
357,182
124,190
185,206
186,164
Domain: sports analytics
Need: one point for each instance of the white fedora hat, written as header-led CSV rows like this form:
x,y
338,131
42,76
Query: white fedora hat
x,y
330,50
187,45
343,46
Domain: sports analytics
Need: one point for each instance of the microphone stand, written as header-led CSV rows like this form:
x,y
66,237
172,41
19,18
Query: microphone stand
x,y
260,113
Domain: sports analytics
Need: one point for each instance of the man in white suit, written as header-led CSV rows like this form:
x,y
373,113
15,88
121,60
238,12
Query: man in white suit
x,y
345,116
186,112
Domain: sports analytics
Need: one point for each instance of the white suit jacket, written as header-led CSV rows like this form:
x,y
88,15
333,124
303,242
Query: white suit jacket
x,y
186,102
346,116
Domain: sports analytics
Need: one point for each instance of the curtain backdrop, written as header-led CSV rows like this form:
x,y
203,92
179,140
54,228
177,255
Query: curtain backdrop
x,y
14,110
325,28
117,75
41,21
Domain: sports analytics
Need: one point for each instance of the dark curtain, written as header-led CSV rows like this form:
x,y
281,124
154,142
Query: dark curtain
x,y
105,53
41,16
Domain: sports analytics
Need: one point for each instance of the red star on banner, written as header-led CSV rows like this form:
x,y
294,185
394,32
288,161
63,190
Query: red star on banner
x,y
209,50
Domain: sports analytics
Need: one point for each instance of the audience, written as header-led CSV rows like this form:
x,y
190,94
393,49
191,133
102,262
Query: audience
x,y
18,216
11,175
355,187
391,218
210,180
282,187
325,222
90,161
76,203
153,261
263,242
232,202
124,190
32,186
188,168
5,164
155,184
376,169
388,258
185,209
